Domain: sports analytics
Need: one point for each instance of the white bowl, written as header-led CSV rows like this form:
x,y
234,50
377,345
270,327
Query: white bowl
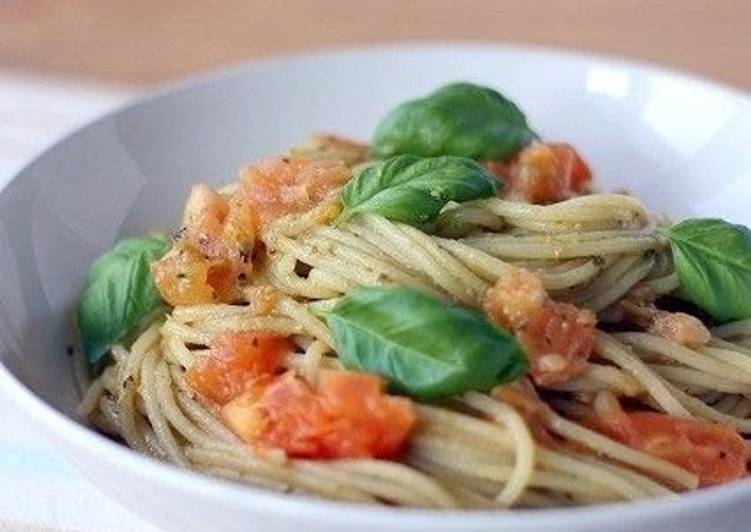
x,y
680,143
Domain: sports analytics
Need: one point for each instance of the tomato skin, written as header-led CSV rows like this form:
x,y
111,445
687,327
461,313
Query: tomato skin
x,y
543,173
346,415
715,453
236,362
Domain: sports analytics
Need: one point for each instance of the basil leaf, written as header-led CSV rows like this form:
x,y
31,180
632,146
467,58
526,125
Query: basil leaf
x,y
459,119
118,293
423,347
413,189
713,261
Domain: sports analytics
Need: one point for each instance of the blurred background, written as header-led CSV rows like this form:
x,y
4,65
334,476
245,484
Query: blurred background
x,y
146,41
64,61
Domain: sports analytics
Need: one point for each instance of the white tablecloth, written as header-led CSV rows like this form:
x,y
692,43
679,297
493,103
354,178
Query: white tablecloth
x,y
39,491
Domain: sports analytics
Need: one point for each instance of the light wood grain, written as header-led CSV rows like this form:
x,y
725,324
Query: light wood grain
x,y
144,41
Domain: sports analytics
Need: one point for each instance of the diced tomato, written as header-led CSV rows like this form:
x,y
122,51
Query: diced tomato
x,y
241,415
181,277
212,252
277,187
211,259
384,421
221,277
557,337
236,362
558,340
346,415
543,173
216,226
184,276
513,298
239,231
203,220
576,172
715,453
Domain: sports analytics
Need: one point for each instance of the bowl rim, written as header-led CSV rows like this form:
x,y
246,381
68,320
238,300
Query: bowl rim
x,y
267,501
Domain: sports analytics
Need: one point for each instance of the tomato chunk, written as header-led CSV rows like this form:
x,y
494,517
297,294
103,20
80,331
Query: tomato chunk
x,y
346,415
203,220
240,228
557,337
543,173
181,277
715,453
512,299
217,226
184,276
211,258
236,362
277,187
212,252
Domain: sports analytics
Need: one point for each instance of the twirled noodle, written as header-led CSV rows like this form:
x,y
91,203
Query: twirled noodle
x,y
478,451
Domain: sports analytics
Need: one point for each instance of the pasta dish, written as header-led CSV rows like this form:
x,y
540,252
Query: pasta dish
x,y
450,316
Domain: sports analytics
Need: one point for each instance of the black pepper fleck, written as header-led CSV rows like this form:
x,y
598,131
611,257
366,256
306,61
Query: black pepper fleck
x,y
179,233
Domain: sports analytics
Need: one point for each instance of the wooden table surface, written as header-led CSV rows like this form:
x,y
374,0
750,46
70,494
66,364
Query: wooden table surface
x,y
146,41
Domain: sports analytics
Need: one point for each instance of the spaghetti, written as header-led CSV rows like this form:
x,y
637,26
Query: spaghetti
x,y
516,444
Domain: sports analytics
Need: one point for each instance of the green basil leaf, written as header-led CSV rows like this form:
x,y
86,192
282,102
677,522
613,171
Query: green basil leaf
x,y
459,119
413,190
118,293
713,262
422,346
